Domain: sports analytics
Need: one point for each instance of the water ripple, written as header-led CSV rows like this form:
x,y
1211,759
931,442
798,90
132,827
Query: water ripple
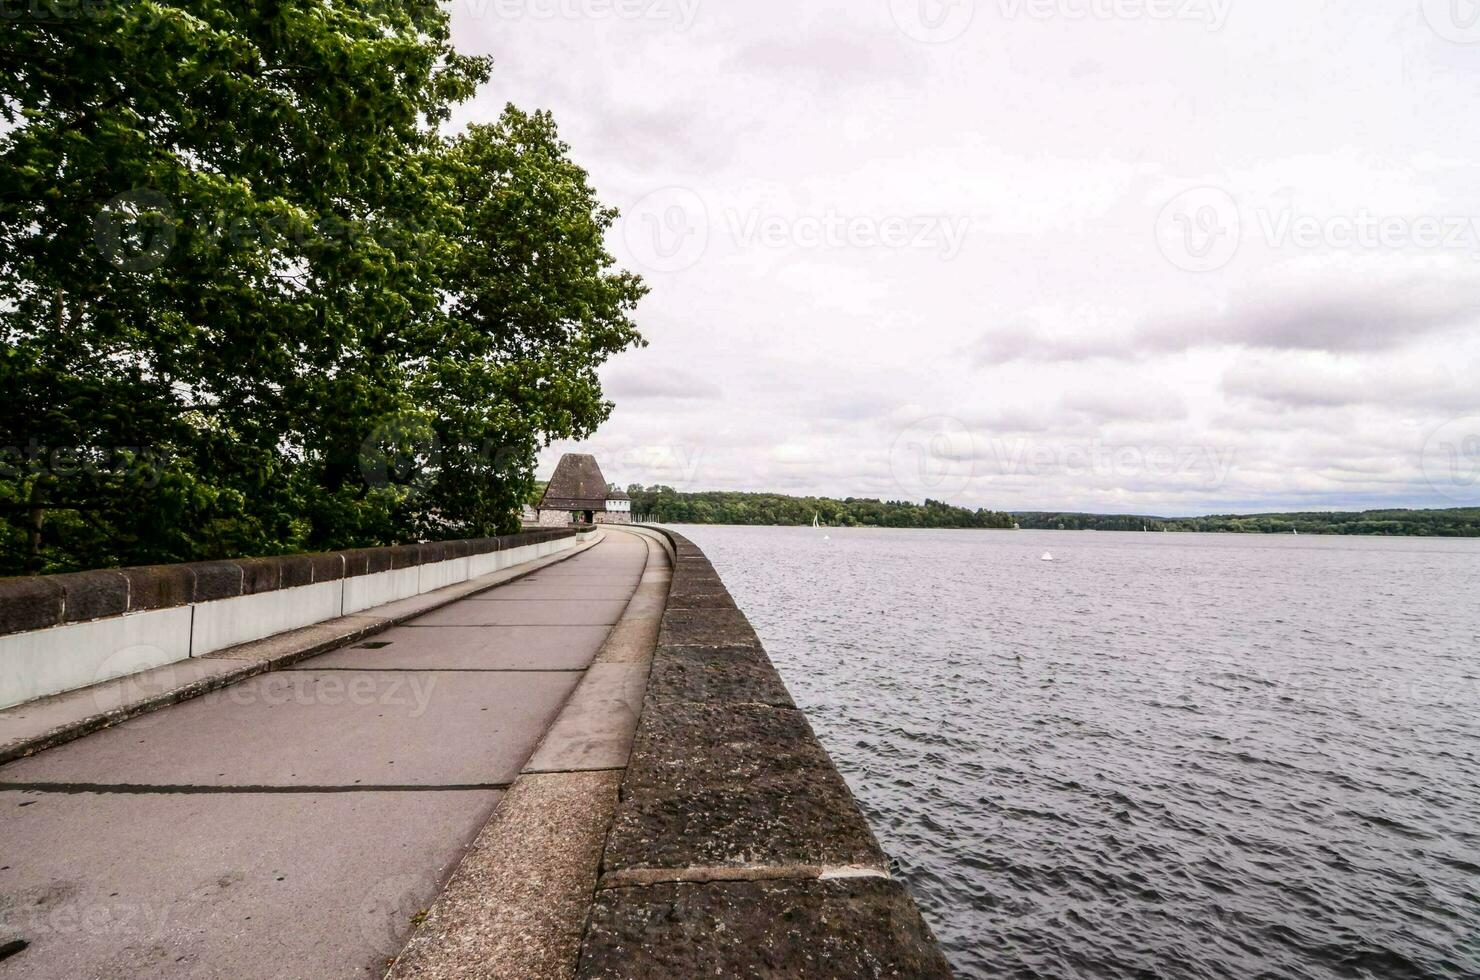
x,y
1177,756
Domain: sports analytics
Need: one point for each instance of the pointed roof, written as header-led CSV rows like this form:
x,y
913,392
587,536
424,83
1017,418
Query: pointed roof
x,y
576,485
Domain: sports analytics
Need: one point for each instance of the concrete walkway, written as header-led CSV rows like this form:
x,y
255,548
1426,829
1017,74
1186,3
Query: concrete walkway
x,y
296,824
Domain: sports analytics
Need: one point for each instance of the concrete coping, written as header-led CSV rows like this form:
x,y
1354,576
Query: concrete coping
x,y
42,601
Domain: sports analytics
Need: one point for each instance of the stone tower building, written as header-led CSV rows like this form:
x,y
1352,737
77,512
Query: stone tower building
x,y
578,494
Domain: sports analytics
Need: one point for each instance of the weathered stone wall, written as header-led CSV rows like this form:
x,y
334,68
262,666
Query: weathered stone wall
x,y
554,518
38,601
613,517
737,849
61,632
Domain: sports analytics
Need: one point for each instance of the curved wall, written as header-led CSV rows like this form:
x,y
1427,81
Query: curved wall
x,y
737,849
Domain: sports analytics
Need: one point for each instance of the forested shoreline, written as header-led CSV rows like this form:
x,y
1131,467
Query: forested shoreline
x,y
668,506
665,505
1463,522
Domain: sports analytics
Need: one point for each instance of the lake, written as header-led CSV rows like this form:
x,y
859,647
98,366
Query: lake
x,y
1158,755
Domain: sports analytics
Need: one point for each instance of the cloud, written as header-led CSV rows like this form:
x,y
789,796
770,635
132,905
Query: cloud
x,y
1344,319
1138,403
1049,334
1306,382
1060,327
1355,319
1028,343
679,134
628,384
850,58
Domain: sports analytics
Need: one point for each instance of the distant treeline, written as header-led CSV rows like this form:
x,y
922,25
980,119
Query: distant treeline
x,y
1454,523
664,505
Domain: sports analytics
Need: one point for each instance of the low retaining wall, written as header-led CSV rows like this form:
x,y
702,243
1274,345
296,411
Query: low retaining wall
x,y
737,848
63,632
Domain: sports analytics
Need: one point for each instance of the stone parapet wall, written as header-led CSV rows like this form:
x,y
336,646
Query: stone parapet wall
x,y
737,849
38,601
62,632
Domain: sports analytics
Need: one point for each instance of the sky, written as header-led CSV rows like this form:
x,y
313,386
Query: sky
x,y
1126,256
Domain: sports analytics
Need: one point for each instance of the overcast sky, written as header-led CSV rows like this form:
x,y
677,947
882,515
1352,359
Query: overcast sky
x,y
1151,256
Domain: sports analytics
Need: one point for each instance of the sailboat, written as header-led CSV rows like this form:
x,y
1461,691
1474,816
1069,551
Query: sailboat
x,y
815,522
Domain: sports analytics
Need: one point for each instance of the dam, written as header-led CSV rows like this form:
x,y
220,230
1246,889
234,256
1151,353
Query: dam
x,y
557,754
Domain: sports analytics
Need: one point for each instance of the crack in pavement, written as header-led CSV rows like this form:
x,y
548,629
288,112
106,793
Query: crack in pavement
x,y
145,789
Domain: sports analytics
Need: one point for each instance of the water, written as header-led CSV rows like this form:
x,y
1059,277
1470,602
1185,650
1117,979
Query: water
x,y
1159,755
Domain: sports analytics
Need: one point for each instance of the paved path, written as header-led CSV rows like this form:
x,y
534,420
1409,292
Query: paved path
x,y
294,824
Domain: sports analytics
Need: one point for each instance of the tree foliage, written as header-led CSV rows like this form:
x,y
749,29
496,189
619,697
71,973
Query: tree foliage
x,y
253,299
667,506
1452,523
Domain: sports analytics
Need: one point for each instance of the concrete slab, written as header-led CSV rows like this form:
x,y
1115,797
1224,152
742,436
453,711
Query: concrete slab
x,y
648,602
630,642
822,930
289,648
321,729
628,557
223,885
571,612
517,905
619,543
563,593
615,550
27,726
596,728
602,557
581,580
593,563
471,648
293,823
593,568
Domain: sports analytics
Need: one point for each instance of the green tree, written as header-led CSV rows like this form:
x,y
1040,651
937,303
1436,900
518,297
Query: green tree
x,y
252,300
